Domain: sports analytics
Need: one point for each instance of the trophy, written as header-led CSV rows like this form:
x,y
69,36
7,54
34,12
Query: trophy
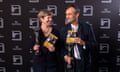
x,y
50,41
36,32
70,44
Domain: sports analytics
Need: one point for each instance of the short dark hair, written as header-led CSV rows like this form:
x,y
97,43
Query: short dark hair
x,y
77,10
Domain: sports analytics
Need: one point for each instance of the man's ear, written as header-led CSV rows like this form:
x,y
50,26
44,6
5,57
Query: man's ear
x,y
77,15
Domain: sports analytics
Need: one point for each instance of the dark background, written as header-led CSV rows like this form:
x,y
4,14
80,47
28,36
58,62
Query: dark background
x,y
19,17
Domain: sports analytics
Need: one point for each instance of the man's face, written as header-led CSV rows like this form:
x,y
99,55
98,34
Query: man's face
x,y
71,16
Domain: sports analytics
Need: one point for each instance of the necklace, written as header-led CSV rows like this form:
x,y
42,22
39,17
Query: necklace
x,y
46,31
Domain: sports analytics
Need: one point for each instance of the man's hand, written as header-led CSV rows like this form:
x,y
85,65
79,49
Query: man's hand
x,y
36,47
68,59
79,41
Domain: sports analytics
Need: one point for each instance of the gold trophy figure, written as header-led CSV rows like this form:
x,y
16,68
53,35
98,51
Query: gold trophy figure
x,y
50,41
70,44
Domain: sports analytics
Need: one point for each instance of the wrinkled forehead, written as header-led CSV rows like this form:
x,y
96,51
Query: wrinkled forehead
x,y
70,10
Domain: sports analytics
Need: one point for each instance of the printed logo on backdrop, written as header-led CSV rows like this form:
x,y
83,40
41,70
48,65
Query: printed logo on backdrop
x,y
17,70
1,23
1,1
106,11
70,1
34,1
103,69
118,24
104,48
16,35
118,60
103,61
118,36
16,23
87,10
104,36
1,11
2,60
106,1
1,36
2,48
53,9
17,48
2,69
33,10
17,60
119,12
105,23
15,10
34,22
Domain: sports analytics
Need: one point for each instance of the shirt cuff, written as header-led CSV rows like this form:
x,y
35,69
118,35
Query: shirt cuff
x,y
84,47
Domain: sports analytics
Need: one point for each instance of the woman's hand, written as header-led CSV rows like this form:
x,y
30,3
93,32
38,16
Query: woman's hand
x,y
36,47
51,48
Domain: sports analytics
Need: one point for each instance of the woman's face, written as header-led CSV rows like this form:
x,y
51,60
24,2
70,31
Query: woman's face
x,y
46,20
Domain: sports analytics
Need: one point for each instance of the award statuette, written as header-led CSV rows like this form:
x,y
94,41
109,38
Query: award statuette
x,y
50,41
36,32
70,44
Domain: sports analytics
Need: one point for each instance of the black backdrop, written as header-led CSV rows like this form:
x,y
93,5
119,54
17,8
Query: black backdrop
x,y
18,17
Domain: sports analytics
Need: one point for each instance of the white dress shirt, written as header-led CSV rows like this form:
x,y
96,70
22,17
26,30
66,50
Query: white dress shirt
x,y
76,51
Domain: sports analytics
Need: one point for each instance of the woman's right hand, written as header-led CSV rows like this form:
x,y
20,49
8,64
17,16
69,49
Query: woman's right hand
x,y
36,47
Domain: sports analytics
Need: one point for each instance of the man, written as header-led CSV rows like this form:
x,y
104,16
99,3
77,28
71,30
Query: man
x,y
83,42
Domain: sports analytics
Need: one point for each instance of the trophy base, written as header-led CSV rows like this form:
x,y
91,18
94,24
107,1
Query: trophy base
x,y
37,53
69,66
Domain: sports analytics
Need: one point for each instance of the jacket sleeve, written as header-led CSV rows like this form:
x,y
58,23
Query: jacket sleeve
x,y
63,48
91,42
32,41
90,46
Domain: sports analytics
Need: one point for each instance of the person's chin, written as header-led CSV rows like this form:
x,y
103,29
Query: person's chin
x,y
69,21
49,24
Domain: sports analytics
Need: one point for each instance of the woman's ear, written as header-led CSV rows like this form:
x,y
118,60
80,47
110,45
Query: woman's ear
x,y
41,19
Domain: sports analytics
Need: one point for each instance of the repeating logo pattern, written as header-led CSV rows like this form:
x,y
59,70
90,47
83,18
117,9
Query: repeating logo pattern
x,y
19,18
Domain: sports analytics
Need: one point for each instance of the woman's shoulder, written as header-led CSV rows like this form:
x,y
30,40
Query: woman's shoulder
x,y
55,31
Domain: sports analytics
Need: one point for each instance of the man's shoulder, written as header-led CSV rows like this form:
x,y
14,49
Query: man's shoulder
x,y
65,27
84,24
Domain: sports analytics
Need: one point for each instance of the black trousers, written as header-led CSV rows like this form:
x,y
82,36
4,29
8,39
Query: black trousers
x,y
44,69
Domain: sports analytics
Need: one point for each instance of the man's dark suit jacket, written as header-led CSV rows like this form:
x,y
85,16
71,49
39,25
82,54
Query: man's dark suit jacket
x,y
85,32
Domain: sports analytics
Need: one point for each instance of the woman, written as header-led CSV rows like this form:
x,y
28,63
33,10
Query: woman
x,y
46,60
